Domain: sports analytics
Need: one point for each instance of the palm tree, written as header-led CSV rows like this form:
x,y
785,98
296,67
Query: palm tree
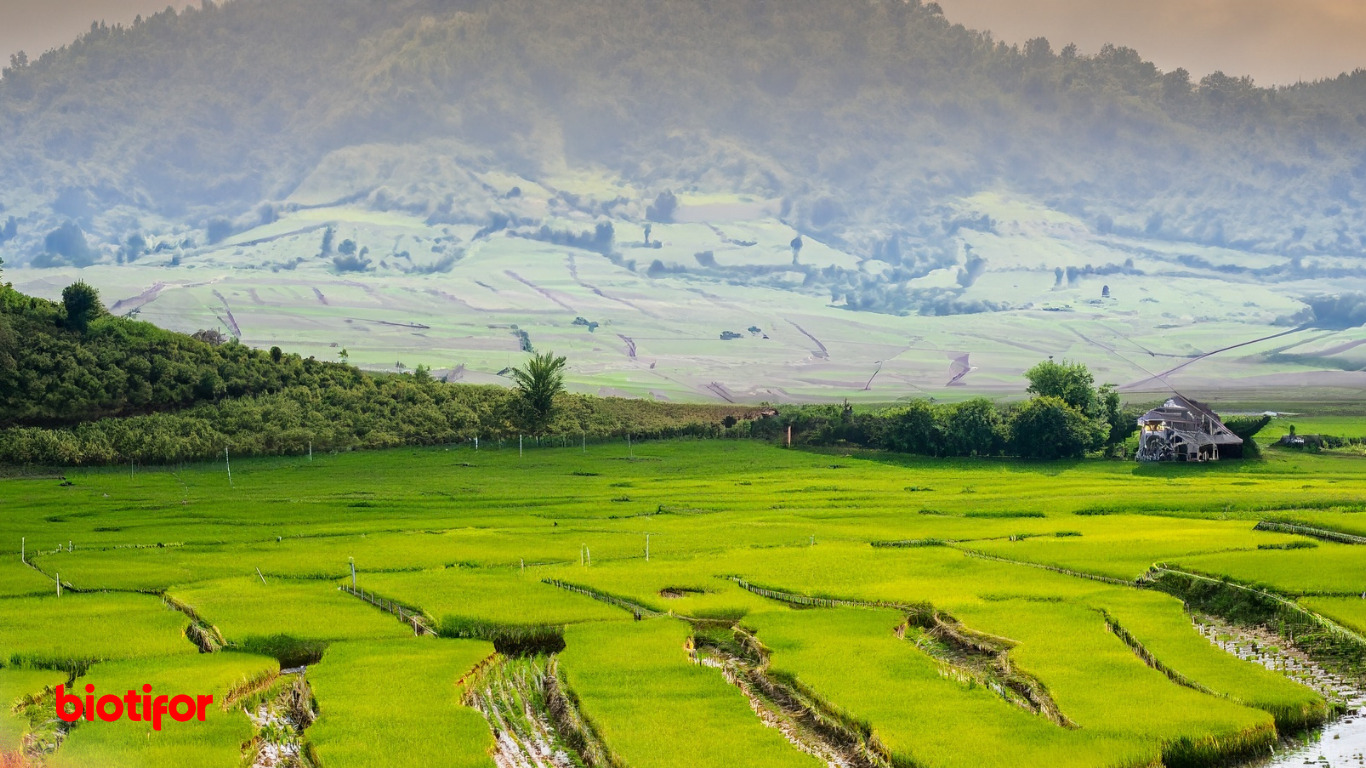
x,y
537,384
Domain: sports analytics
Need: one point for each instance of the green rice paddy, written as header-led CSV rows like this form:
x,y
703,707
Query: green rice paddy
x,y
1033,573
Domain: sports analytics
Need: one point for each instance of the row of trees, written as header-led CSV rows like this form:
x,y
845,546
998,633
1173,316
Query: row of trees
x,y
1067,417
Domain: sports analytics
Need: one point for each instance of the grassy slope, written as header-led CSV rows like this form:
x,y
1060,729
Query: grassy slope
x,y
1152,322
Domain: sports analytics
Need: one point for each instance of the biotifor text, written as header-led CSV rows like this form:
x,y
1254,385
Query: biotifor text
x,y
144,708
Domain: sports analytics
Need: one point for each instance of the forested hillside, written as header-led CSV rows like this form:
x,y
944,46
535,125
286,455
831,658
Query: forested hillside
x,y
87,388
865,118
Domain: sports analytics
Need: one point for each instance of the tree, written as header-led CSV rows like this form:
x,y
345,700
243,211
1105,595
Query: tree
x,y
1070,382
276,354
1049,428
1121,423
347,247
914,428
82,304
326,249
538,382
974,428
796,246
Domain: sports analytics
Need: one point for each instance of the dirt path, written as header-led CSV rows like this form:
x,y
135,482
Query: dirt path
x,y
129,306
231,321
547,294
630,345
823,353
1161,377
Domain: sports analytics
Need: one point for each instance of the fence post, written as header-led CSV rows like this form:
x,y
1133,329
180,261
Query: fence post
x,y
352,560
519,446
59,585
227,463
23,550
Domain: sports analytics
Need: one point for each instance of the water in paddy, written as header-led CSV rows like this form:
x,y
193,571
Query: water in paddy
x,y
1339,744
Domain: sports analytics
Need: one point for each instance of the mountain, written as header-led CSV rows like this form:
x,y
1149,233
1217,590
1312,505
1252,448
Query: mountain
x,y
397,178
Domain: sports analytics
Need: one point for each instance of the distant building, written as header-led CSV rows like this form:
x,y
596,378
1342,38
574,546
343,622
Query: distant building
x,y
1184,430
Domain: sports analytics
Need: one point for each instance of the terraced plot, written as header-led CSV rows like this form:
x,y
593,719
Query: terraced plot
x,y
641,601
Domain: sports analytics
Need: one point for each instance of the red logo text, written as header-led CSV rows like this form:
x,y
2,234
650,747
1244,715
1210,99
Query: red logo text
x,y
144,708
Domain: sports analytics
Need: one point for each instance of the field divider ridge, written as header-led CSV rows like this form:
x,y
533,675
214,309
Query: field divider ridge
x,y
978,655
405,613
1323,534
1147,656
1155,574
641,611
1044,566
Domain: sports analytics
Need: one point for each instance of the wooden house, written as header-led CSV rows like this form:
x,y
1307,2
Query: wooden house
x,y
1183,430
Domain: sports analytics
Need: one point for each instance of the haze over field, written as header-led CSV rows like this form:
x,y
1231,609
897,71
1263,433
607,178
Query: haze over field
x,y
780,201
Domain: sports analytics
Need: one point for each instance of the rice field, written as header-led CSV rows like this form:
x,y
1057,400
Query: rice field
x,y
125,744
654,707
391,703
937,612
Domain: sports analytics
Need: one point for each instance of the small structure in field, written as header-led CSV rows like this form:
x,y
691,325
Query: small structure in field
x,y
1183,430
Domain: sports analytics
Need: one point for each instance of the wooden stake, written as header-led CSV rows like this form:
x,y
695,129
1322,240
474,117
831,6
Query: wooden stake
x,y
59,585
310,450
352,560
263,578
647,547
519,446
23,546
229,465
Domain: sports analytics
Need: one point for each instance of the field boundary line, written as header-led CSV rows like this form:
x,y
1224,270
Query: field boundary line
x,y
1324,534
597,594
1149,658
405,614
1054,568
1320,620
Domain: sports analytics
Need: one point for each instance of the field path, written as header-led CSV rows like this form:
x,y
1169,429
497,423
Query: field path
x,y
133,304
823,353
720,391
231,321
537,289
574,273
1162,377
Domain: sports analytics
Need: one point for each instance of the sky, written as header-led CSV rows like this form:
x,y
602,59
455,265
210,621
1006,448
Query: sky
x,y
1275,41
